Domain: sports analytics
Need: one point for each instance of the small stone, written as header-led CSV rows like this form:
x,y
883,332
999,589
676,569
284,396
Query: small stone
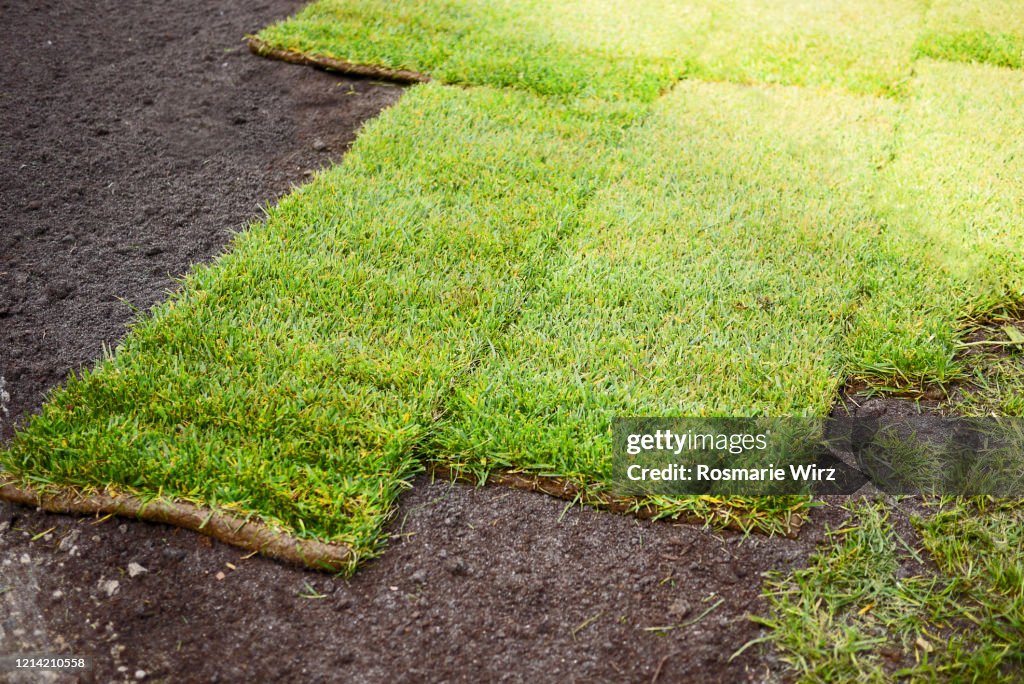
x,y
220,576
174,554
679,609
34,205
110,587
420,576
25,558
68,542
140,674
58,595
725,574
456,567
134,570
319,145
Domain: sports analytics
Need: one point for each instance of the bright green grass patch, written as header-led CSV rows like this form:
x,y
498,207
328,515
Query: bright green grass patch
x,y
855,615
951,204
761,246
295,377
714,277
989,31
865,47
617,49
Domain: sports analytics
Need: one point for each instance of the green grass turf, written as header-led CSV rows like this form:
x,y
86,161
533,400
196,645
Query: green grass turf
x,y
989,31
618,49
761,246
950,205
295,377
955,613
702,281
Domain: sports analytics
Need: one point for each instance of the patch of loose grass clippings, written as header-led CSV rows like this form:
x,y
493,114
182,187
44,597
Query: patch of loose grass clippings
x,y
616,50
872,607
714,276
294,378
988,31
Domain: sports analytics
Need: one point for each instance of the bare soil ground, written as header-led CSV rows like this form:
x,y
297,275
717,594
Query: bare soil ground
x,y
136,137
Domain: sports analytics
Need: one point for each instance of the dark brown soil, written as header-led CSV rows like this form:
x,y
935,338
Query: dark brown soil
x,y
136,136
486,584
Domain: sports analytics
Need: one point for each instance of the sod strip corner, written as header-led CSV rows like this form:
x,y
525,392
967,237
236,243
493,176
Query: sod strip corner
x,y
262,49
245,533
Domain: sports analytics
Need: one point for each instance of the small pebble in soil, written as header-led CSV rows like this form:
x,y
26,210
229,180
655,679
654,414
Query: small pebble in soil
x,y
174,554
140,674
319,145
134,570
456,567
679,609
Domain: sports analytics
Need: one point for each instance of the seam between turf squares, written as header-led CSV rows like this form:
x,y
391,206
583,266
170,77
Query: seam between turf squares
x,y
576,490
